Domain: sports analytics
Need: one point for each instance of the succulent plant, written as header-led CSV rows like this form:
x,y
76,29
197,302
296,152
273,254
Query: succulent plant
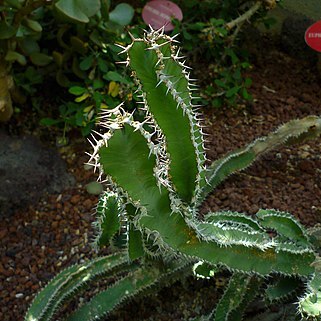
x,y
156,179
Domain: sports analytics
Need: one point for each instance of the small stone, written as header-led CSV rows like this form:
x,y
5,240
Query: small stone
x,y
88,204
35,287
19,295
75,199
3,233
307,166
25,261
34,269
54,224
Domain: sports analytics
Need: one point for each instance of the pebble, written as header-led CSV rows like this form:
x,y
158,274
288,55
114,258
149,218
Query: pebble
x,y
75,199
3,233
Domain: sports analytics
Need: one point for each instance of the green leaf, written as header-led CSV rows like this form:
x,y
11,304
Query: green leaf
x,y
13,56
310,303
233,217
220,83
122,14
105,5
229,234
245,94
247,82
102,64
232,92
115,76
106,301
78,10
49,121
187,35
98,84
40,59
29,45
86,63
14,3
225,166
77,90
7,31
33,25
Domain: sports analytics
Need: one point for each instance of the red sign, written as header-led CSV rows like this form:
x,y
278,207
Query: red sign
x,y
313,36
159,13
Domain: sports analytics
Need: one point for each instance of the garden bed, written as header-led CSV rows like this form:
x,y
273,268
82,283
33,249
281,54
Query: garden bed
x,y
39,241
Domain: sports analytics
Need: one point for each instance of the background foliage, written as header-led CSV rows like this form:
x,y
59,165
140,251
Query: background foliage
x,y
68,48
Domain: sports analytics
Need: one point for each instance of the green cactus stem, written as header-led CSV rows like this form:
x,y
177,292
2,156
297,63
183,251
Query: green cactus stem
x,y
69,281
133,284
159,73
309,305
127,152
293,132
241,290
282,288
109,212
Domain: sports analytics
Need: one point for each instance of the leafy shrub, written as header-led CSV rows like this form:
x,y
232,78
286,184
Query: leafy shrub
x,y
156,181
70,40
212,33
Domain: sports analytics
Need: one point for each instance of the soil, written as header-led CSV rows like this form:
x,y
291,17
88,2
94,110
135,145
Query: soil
x,y
42,239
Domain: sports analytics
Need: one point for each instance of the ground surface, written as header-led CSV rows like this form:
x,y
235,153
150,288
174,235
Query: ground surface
x,y
39,241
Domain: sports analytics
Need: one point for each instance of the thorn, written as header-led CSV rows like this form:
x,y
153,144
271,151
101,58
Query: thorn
x,y
126,63
160,31
157,46
131,36
173,38
99,134
159,83
158,62
125,49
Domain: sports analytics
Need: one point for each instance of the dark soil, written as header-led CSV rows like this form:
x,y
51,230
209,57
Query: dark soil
x,y
39,241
